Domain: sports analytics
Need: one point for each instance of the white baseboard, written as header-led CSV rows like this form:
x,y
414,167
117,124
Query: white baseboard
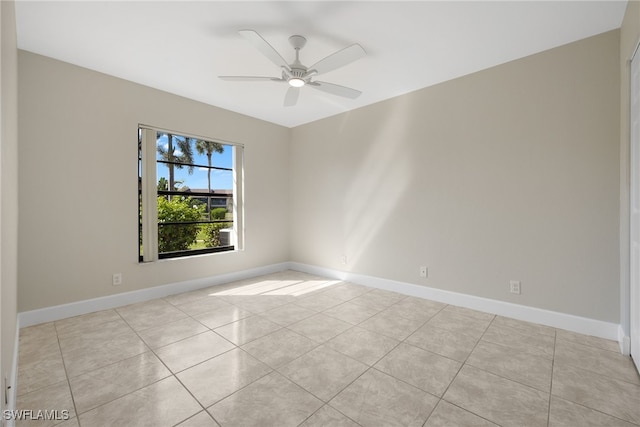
x,y
13,379
49,314
625,341
554,319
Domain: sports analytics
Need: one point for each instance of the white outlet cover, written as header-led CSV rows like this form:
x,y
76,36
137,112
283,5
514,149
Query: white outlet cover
x,y
514,287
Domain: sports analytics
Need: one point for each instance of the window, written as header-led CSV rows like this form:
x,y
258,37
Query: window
x,y
189,195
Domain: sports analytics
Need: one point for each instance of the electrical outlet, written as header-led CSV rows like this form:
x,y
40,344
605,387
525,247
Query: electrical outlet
x,y
117,279
424,271
514,287
344,260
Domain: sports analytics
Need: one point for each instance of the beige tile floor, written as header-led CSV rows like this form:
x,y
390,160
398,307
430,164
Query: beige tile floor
x,y
293,349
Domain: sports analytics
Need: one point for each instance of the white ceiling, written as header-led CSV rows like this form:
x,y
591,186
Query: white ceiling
x,y
181,47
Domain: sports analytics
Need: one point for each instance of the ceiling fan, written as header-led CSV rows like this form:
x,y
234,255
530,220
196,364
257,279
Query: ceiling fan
x,y
296,74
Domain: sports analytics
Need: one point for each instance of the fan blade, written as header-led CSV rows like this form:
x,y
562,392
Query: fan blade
x,y
334,89
339,59
264,47
250,78
291,98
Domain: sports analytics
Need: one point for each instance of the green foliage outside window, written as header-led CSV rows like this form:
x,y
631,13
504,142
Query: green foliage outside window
x,y
212,233
178,209
218,213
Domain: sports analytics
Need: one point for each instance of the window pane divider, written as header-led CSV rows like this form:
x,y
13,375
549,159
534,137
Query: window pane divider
x,y
166,162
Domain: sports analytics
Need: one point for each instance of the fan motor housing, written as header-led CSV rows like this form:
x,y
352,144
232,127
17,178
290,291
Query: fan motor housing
x,y
298,72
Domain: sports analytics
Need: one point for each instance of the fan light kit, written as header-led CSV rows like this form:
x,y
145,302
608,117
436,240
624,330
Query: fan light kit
x,y
296,74
296,82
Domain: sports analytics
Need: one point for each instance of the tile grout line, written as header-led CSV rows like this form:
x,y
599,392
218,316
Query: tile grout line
x,y
595,409
462,365
116,362
66,374
225,397
151,350
174,374
616,378
369,367
238,347
317,345
553,364
235,347
507,347
372,366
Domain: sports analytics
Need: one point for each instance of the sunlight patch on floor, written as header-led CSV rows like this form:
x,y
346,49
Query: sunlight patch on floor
x,y
304,287
278,287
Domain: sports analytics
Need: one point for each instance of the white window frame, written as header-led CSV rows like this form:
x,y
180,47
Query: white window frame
x,y
150,192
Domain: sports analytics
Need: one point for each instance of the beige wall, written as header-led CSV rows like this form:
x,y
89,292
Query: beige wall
x,y
78,174
511,173
8,188
629,37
